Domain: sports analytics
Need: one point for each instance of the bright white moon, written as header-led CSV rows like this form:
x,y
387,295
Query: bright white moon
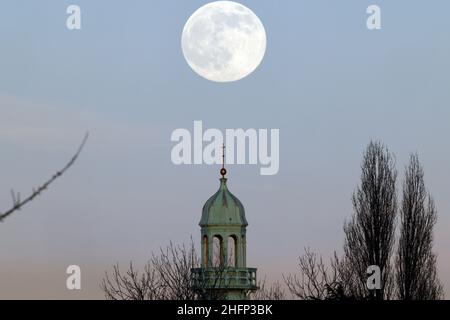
x,y
224,41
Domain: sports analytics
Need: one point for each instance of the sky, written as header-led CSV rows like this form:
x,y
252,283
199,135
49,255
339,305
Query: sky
x,y
326,82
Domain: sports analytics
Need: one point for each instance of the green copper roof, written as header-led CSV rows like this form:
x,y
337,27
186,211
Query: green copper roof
x,y
223,208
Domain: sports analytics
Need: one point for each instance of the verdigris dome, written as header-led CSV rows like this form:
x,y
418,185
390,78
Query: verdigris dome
x,y
223,208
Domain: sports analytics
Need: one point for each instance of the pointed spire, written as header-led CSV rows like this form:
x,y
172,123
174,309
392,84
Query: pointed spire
x,y
223,171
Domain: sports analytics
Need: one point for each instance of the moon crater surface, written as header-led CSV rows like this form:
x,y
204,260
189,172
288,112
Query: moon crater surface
x,y
224,41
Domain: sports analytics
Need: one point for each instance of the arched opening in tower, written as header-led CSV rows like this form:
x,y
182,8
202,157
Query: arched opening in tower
x,y
218,256
232,255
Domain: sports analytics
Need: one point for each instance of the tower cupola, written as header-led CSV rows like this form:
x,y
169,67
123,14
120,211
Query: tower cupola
x,y
224,273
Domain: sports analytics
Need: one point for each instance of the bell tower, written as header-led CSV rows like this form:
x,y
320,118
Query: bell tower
x,y
224,273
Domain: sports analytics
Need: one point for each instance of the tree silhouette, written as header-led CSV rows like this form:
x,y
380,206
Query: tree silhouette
x,y
167,276
416,275
369,236
317,281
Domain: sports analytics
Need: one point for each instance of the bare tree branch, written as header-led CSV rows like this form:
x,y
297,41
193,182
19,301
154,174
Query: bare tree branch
x,y
18,203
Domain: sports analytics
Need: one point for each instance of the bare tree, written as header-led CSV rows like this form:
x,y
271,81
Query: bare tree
x,y
370,234
416,276
167,276
132,285
173,268
268,292
18,203
317,281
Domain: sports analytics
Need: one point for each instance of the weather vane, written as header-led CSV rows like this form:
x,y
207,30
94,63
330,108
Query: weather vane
x,y
223,171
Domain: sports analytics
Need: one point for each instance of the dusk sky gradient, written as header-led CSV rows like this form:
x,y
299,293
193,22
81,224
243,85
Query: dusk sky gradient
x,y
328,83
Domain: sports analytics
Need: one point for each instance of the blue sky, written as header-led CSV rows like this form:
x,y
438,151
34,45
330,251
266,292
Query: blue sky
x,y
328,83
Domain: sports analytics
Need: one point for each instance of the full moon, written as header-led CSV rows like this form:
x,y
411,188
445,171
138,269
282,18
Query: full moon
x,y
223,41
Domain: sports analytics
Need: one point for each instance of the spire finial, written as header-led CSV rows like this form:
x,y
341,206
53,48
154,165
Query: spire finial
x,y
223,171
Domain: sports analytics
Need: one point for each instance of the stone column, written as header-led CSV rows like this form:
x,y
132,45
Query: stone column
x,y
244,251
225,250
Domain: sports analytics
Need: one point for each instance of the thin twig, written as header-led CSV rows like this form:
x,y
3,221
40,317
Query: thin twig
x,y
18,204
